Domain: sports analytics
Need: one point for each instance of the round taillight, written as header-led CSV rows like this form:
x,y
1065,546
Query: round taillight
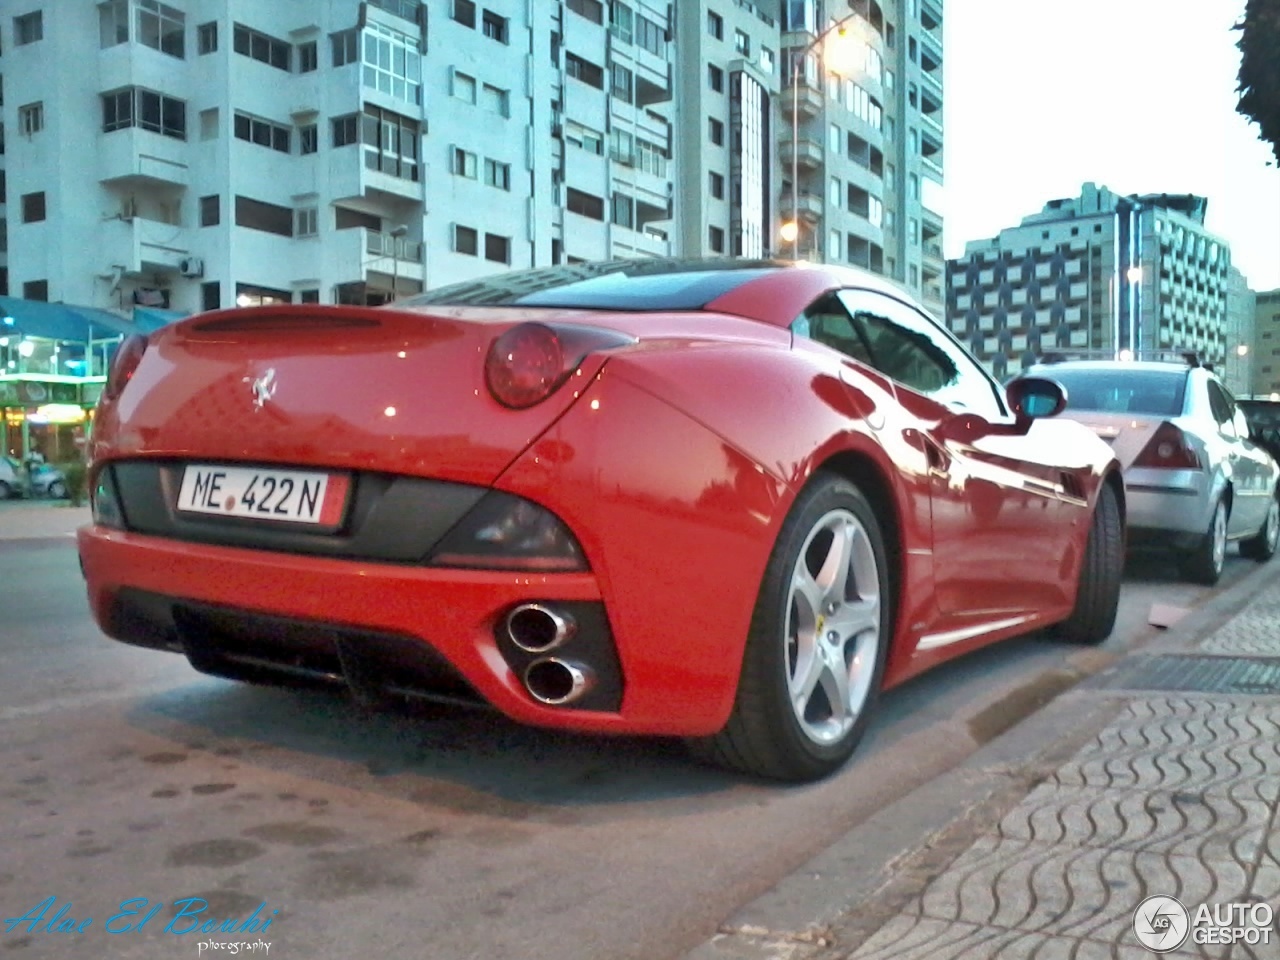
x,y
524,365
124,364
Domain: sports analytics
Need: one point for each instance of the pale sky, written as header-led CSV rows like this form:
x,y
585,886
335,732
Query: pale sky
x,y
1134,95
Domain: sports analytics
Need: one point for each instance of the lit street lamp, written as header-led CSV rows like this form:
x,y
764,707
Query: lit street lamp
x,y
791,229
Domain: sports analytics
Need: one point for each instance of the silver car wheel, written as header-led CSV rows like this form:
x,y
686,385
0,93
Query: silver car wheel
x,y
833,627
1273,525
1219,536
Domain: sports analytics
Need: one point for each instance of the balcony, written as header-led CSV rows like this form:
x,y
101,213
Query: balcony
x,y
807,154
645,242
141,246
137,156
804,98
380,260
930,55
931,17
805,206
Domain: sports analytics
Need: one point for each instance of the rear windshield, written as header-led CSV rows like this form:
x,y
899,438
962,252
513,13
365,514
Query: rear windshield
x,y
637,285
1122,389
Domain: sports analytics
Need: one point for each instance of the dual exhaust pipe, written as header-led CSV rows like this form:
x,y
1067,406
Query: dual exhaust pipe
x,y
540,629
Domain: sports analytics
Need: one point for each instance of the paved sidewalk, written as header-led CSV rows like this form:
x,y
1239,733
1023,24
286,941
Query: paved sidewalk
x,y
1159,776
40,519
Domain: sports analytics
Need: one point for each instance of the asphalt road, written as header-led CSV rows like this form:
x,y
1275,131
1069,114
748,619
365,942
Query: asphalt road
x,y
124,774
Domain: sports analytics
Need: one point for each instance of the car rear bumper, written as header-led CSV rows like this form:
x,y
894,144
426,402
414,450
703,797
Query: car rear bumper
x,y
378,629
1164,503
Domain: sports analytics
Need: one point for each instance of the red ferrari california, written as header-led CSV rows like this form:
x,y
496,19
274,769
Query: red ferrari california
x,y
724,500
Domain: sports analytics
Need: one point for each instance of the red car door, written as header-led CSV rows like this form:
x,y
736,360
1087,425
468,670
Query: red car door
x,y
1002,515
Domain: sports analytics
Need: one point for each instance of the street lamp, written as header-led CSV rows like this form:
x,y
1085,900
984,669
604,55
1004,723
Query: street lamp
x,y
396,233
791,229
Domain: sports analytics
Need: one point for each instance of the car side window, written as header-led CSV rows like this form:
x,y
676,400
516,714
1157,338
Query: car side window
x,y
908,347
1222,407
828,322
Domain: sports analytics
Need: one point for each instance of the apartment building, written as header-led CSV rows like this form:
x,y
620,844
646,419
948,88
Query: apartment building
x,y
1265,369
1099,272
206,153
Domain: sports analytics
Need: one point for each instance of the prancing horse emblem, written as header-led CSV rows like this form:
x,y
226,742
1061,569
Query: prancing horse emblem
x,y
264,387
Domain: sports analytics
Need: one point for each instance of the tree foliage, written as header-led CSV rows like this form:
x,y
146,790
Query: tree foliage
x,y
1259,86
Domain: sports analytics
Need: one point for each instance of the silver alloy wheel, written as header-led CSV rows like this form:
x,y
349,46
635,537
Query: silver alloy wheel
x,y
1273,525
1219,534
833,627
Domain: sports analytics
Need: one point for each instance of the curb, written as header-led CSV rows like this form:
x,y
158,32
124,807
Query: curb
x,y
847,892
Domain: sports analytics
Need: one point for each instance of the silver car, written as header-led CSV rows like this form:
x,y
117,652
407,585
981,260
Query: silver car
x,y
1194,478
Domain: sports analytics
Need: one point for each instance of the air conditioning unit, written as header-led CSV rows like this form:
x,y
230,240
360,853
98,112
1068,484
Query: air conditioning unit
x,y
191,267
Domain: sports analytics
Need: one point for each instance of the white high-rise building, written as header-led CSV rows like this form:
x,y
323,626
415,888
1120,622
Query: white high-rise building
x,y
205,153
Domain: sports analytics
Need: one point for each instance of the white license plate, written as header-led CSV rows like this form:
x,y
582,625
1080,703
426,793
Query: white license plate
x,y
258,493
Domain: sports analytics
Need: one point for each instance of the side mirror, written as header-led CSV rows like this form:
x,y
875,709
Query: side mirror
x,y
1033,397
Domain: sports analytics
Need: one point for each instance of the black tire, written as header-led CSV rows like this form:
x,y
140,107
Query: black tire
x,y
1098,594
1263,546
764,735
58,490
1205,562
6,491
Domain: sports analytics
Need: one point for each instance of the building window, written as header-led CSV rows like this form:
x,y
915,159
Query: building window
x,y
33,209
496,100
584,70
31,118
914,186
497,174
136,107
306,222
260,46
741,43
584,204
462,163
715,131
715,78
308,57
715,25
309,296
584,138
621,21
209,124
495,26
162,28
622,147
345,130
207,37
715,239
715,185
496,248
210,295
466,240
308,138
621,86
263,132
464,12
267,217
392,63
28,28
345,47
251,295
113,23
390,143
592,10
210,211
36,290
464,87
768,60
650,36
624,210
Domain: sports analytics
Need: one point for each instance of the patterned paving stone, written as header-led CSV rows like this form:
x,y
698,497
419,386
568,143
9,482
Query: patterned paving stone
x,y
1163,722
910,937
1239,770
1082,893
1184,823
